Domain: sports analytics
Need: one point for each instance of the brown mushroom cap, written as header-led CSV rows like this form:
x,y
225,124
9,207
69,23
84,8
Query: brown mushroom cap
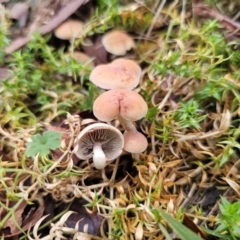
x,y
134,142
69,29
126,103
117,42
119,74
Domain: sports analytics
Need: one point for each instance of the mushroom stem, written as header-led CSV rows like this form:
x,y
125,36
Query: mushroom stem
x,y
99,157
126,124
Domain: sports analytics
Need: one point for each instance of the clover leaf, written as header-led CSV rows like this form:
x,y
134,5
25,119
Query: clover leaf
x,y
42,144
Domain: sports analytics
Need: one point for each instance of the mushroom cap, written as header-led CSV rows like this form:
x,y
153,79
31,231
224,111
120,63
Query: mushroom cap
x,y
134,142
130,105
117,42
111,140
18,10
69,29
119,74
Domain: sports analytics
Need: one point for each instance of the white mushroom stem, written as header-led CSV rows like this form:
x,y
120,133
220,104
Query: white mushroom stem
x,y
126,124
99,157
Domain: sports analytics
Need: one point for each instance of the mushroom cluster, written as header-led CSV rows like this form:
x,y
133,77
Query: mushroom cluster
x,y
120,102
101,141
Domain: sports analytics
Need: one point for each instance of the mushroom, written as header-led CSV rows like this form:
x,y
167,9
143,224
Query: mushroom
x,y
69,29
117,42
119,74
134,142
99,141
122,104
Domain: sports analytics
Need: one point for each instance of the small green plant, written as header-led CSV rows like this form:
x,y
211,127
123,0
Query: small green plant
x,y
164,129
173,64
189,115
229,222
212,89
42,144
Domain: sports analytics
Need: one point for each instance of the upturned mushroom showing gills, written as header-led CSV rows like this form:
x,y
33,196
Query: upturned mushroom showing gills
x,y
122,104
119,74
101,142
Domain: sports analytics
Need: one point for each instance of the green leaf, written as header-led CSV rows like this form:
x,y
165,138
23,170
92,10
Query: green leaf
x,y
214,233
165,232
156,214
152,113
182,231
42,144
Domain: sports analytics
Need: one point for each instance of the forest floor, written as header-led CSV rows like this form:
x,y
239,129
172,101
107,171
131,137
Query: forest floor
x,y
184,185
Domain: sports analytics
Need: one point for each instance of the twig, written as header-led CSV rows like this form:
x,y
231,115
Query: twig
x,y
183,13
203,11
155,17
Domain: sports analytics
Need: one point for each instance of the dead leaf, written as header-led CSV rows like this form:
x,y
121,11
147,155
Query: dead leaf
x,y
95,49
233,185
188,222
25,222
91,222
18,218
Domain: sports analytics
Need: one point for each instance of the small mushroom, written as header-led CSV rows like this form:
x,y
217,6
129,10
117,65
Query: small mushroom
x,y
134,142
122,104
69,29
99,141
119,74
117,42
